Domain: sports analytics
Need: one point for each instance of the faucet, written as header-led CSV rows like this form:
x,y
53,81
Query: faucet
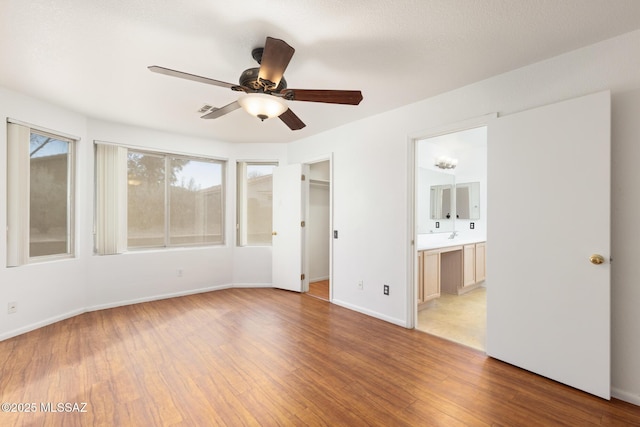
x,y
454,234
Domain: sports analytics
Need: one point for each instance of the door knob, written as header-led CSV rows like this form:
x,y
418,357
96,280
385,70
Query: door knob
x,y
275,233
596,259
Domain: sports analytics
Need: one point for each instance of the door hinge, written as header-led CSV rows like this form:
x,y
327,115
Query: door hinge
x,y
303,178
302,276
302,224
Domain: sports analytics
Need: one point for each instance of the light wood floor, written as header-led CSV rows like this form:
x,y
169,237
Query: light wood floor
x,y
459,318
271,357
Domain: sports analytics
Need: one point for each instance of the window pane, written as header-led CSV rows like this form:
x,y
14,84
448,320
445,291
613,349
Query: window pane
x,y
48,198
195,195
145,198
259,204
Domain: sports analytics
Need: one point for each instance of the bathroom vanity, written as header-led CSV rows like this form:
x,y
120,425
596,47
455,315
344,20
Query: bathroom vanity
x,y
453,267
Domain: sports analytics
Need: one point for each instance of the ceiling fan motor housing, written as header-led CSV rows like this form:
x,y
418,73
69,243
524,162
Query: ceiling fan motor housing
x,y
249,78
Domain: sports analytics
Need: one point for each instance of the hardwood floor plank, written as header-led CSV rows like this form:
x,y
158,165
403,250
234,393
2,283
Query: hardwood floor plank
x,y
271,357
319,289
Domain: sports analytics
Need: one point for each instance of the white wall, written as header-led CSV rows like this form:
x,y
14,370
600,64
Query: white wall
x,y
371,164
51,291
48,291
143,275
138,276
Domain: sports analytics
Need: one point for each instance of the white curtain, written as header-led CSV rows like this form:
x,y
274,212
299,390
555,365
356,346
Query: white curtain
x,y
18,191
111,199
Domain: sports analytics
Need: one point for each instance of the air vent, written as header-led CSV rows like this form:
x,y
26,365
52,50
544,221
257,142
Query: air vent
x,y
205,108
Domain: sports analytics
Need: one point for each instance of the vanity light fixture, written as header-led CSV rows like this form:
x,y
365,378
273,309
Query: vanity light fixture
x,y
444,162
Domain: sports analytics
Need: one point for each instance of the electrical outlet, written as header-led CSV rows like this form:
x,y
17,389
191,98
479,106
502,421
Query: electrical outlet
x,y
179,272
12,307
472,225
361,285
385,289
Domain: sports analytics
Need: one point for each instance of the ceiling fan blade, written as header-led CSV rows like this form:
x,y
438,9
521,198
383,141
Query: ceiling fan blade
x,y
275,59
291,120
217,112
350,97
193,77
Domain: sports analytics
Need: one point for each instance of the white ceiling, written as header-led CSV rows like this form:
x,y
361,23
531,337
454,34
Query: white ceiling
x,y
92,56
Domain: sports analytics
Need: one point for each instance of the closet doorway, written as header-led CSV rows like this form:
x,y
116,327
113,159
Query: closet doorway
x,y
318,230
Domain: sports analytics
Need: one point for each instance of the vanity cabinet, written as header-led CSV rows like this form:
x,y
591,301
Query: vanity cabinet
x,y
469,265
428,275
420,276
451,270
473,270
481,253
430,282
474,263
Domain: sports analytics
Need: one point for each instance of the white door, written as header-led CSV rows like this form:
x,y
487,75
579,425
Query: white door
x,y
288,233
548,306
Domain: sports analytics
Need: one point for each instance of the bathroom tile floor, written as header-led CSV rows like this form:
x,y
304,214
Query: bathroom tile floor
x,y
457,318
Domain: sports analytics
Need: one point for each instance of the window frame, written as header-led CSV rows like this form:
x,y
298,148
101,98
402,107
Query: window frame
x,y
167,158
19,211
241,200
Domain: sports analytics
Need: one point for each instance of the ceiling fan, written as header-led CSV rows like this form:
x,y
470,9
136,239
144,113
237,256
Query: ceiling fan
x,y
265,89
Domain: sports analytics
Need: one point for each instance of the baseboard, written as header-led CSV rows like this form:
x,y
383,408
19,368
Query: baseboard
x,y
54,319
64,316
375,314
625,395
40,324
318,279
157,297
252,285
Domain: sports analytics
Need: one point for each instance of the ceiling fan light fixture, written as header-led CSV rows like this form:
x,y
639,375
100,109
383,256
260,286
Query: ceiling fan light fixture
x,y
262,106
264,89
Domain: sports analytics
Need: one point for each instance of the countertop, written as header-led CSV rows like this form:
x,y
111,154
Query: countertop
x,y
435,241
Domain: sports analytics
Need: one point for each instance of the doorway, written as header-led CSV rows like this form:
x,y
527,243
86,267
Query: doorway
x,y
301,227
450,223
548,301
318,230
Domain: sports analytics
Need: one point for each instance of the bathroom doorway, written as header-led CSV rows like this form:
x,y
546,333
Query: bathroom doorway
x,y
450,223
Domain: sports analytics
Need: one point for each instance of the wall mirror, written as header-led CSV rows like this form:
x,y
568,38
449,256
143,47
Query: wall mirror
x,y
444,193
468,200
441,202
